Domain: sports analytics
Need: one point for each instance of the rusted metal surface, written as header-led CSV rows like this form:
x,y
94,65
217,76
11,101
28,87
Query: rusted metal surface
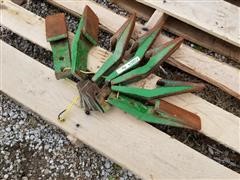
x,y
56,25
91,23
187,118
88,91
57,35
119,32
102,97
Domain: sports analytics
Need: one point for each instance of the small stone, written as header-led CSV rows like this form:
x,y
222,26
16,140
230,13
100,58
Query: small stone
x,y
103,173
227,160
24,178
87,174
71,174
15,116
8,129
21,122
210,151
17,126
32,137
23,115
130,174
107,164
5,114
46,171
11,113
5,176
46,146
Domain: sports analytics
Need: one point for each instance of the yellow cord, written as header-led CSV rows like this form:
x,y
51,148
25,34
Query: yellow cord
x,y
62,115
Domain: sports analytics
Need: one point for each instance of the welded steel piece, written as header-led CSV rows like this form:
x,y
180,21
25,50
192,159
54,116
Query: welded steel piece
x,y
143,44
161,113
119,41
164,51
85,38
102,96
88,91
57,35
165,88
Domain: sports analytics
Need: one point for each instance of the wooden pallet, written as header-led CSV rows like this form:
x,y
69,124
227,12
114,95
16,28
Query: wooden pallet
x,y
218,18
182,29
143,149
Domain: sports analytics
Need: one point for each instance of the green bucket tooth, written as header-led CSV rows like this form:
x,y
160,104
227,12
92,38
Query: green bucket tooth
x,y
144,43
57,35
164,51
121,39
162,113
158,92
85,38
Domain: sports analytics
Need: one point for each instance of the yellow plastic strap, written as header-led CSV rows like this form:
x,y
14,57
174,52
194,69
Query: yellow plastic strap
x,y
63,114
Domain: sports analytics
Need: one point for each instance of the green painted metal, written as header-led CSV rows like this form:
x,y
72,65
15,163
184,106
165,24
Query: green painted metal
x,y
143,112
144,44
61,58
144,71
56,33
57,37
80,48
121,43
158,92
164,51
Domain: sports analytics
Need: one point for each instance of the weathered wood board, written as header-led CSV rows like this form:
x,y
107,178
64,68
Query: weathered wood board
x,y
216,17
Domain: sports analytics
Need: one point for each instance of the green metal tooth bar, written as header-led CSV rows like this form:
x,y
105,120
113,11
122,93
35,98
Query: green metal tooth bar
x,y
80,49
83,41
159,92
115,58
143,112
61,58
144,45
143,71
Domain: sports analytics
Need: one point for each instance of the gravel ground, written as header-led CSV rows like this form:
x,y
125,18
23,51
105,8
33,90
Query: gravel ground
x,y
24,135
32,149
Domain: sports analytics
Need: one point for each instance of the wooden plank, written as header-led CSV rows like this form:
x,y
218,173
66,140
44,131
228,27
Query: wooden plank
x,y
156,16
142,11
194,62
203,39
133,144
216,17
185,30
215,121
